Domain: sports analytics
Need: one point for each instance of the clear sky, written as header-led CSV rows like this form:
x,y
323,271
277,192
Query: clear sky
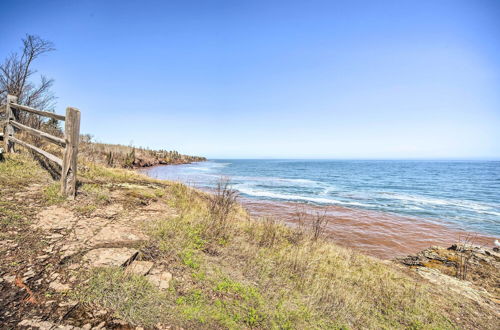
x,y
279,79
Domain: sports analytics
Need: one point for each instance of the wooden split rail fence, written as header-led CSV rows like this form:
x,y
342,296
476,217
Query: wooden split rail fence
x,y
70,142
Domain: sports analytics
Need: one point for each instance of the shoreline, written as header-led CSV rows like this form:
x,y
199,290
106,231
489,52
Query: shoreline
x,y
378,234
161,163
375,233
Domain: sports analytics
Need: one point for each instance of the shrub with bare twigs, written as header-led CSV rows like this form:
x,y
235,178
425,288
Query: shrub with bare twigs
x,y
464,247
270,232
310,225
319,223
221,205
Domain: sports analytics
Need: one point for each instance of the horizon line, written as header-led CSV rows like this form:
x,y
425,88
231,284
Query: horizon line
x,y
353,158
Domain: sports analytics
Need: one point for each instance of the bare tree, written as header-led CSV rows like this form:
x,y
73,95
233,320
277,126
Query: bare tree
x,y
16,75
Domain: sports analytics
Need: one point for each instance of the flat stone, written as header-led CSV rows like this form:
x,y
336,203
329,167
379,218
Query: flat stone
x,y
160,279
69,303
464,288
59,287
73,266
55,217
86,228
139,267
36,324
118,233
29,274
110,256
100,313
109,211
9,278
71,248
44,325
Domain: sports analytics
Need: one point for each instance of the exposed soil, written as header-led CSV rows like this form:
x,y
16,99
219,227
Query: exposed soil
x,y
44,252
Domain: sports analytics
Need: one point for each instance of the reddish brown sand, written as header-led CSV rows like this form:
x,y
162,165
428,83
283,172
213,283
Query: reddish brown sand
x,y
378,234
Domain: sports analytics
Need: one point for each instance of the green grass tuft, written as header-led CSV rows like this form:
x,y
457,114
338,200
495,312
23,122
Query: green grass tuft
x,y
19,170
130,297
52,194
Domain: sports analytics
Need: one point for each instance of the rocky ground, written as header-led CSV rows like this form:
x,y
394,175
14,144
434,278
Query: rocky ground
x,y
470,270
46,254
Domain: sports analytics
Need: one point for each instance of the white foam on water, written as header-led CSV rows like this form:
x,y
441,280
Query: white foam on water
x,y
289,197
490,213
275,180
326,191
207,166
463,204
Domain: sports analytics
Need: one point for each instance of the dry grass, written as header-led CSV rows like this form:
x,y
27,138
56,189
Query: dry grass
x,y
257,274
115,155
221,205
263,274
131,295
295,283
20,169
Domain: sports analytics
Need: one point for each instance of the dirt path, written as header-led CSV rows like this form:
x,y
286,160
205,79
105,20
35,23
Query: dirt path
x,y
46,251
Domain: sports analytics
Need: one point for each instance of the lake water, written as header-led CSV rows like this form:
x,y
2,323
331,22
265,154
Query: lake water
x,y
463,195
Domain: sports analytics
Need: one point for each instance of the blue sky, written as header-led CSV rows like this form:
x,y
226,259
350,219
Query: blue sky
x,y
278,79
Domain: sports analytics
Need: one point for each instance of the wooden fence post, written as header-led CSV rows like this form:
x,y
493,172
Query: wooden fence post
x,y
72,137
8,128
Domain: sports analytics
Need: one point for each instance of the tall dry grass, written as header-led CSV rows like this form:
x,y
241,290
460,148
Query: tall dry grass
x,y
296,279
221,204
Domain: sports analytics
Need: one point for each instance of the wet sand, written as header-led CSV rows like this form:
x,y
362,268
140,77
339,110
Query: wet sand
x,y
374,233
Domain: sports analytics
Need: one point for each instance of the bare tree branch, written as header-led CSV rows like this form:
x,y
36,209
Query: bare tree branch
x,y
15,79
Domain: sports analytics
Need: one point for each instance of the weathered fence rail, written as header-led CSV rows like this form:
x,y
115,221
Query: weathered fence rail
x,y
68,163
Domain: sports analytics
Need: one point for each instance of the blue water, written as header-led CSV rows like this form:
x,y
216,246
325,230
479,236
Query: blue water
x,y
460,194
